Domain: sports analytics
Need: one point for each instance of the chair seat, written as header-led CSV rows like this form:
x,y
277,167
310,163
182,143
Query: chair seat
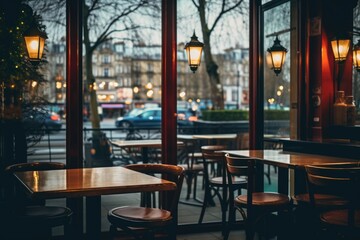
x,y
196,155
139,216
50,216
195,167
235,181
339,218
324,200
264,199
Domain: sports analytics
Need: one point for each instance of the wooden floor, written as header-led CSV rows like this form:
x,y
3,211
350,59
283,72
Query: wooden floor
x,y
187,214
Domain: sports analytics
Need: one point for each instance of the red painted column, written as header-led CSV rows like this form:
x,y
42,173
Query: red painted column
x,y
169,49
256,112
74,90
74,122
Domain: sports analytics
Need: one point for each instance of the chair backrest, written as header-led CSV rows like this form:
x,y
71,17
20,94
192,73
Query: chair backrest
x,y
242,167
214,154
341,180
170,172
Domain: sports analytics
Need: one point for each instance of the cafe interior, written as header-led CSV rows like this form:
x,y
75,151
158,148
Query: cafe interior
x,y
317,166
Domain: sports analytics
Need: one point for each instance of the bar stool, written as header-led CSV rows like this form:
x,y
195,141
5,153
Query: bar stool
x,y
217,185
28,218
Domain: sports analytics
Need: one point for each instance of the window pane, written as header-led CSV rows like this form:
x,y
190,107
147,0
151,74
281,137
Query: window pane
x,y
277,87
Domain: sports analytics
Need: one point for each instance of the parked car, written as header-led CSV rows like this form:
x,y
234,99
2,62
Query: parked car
x,y
186,117
134,111
42,119
151,118
148,118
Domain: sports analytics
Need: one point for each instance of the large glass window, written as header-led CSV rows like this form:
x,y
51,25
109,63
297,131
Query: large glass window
x,y
277,86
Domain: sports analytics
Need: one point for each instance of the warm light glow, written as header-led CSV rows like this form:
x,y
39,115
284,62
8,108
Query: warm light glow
x,y
193,51
356,56
198,100
58,85
136,90
150,93
149,85
340,47
271,100
182,94
35,47
281,87
35,42
278,93
277,56
33,84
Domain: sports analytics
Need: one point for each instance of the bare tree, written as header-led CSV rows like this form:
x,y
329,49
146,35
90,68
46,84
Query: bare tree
x,y
103,20
218,9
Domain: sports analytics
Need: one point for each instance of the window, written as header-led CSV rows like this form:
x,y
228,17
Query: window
x,y
106,59
106,72
276,18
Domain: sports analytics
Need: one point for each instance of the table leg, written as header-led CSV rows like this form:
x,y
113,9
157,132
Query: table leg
x,y
144,153
93,217
283,180
75,229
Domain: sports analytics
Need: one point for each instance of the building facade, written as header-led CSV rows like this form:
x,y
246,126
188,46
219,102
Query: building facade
x,y
129,77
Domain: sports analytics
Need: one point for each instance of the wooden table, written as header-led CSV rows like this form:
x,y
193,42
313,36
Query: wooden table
x,y
211,138
143,144
90,183
286,161
230,136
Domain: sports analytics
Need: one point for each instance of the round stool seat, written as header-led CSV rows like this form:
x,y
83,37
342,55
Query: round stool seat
x,y
264,199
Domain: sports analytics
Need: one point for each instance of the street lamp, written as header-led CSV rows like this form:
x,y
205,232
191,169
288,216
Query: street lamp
x,y
35,43
277,56
193,51
237,90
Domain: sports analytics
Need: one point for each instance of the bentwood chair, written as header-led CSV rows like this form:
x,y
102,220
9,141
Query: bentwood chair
x,y
188,160
304,215
149,219
254,206
216,184
341,180
25,217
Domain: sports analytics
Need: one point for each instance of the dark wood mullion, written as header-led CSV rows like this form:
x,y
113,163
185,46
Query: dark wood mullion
x,y
74,105
168,82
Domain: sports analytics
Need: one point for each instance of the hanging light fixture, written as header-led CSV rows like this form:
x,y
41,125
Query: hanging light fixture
x,y
277,56
193,51
35,42
340,47
356,56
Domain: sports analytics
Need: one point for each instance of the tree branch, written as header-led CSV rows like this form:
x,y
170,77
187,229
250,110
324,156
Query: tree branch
x,y
223,12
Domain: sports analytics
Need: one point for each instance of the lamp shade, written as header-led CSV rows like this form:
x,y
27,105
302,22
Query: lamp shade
x,y
35,42
340,47
277,56
193,52
356,56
